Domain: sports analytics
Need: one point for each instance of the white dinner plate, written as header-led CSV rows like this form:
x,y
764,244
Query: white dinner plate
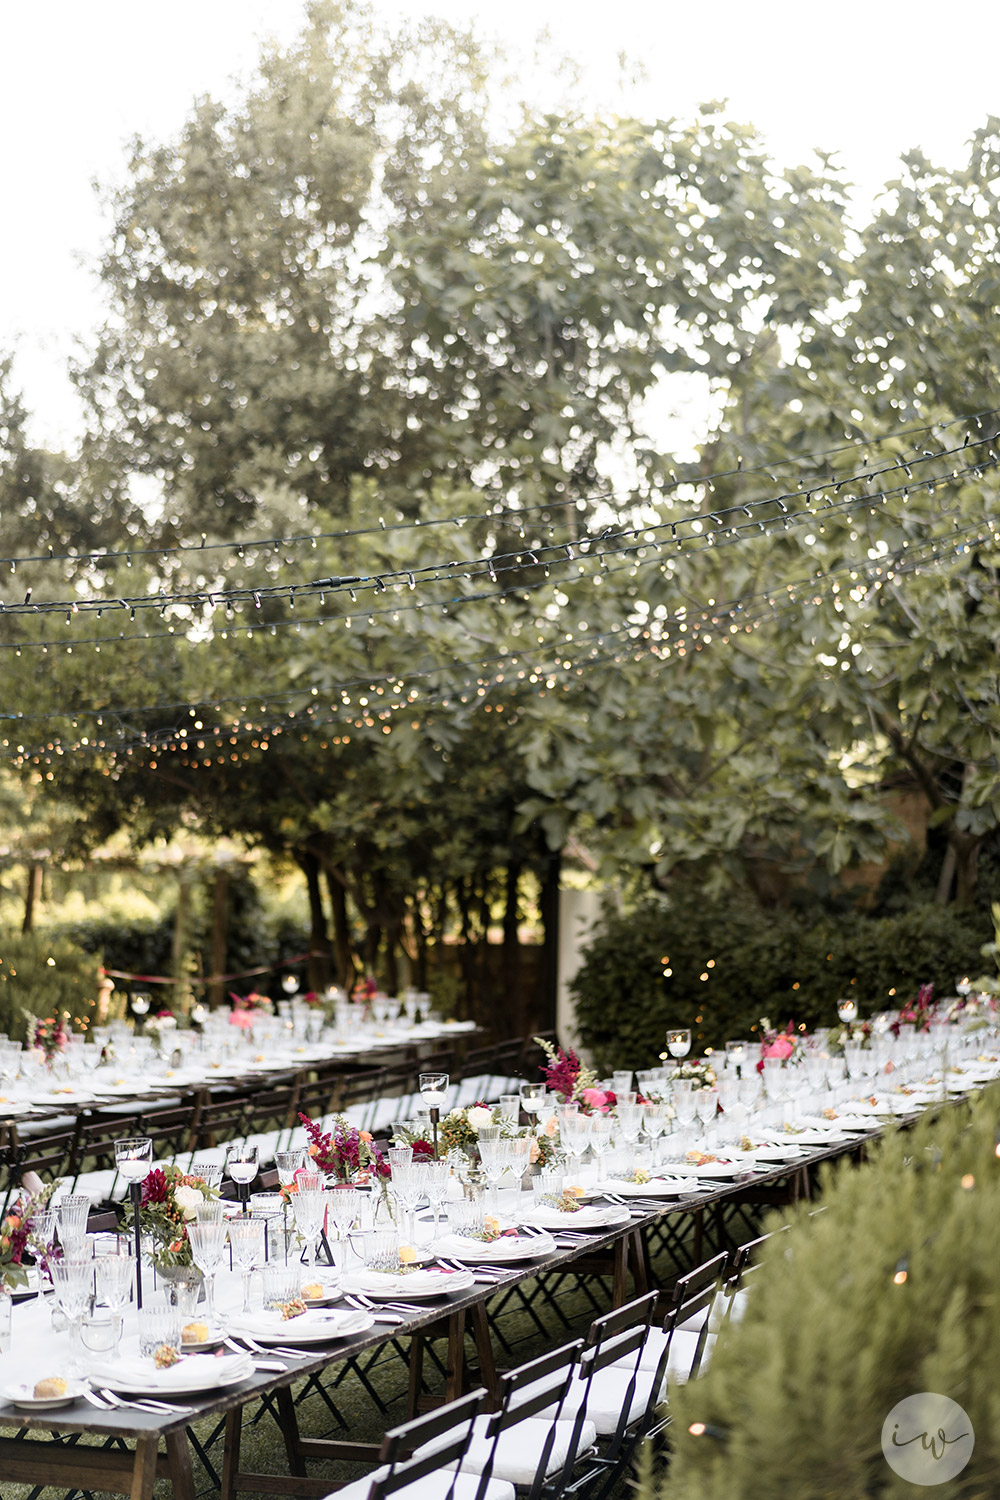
x,y
495,1252
24,1396
417,1286
133,1376
625,1189
317,1326
330,1293
215,1338
778,1152
590,1216
709,1169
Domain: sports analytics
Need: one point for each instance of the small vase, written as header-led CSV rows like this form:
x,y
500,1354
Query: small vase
x,y
185,1284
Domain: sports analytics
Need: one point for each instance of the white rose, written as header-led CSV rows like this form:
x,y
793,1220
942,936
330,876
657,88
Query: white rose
x,y
187,1200
480,1116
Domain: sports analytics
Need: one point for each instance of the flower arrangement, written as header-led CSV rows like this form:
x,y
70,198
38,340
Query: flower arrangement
x,y
701,1073
164,1020
345,1153
314,1001
774,1044
567,1076
920,1013
18,1236
170,1199
458,1131
366,989
253,1001
849,1031
49,1036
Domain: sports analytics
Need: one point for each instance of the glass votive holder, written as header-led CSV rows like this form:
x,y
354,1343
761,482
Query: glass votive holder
x,y
381,1249
510,1107
101,1331
280,1283
547,1185
159,1328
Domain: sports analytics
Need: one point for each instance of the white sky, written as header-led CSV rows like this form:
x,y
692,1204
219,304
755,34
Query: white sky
x,y
868,80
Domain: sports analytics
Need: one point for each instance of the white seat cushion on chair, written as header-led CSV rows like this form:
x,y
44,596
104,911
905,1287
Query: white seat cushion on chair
x,y
519,1448
683,1348
606,1400
433,1487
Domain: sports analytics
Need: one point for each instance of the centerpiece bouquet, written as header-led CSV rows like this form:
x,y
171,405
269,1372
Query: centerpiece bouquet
x,y
48,1035
170,1199
18,1237
571,1079
783,1046
700,1072
345,1153
920,1013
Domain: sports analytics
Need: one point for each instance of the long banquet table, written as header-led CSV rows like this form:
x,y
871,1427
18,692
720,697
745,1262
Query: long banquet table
x,y
59,1458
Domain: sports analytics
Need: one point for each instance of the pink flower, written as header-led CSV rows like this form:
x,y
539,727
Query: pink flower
x,y
596,1099
782,1047
241,1018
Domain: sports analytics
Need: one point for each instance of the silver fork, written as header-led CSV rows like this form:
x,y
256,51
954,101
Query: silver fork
x,y
266,1349
146,1404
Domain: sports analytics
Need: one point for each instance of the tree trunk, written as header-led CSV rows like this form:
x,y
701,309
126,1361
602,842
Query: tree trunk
x,y
32,894
179,951
947,877
549,905
220,914
966,846
510,961
346,969
319,942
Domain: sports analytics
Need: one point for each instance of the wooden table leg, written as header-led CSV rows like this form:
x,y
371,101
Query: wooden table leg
x,y
484,1349
231,1454
639,1254
289,1424
619,1282
456,1355
416,1374
144,1469
179,1459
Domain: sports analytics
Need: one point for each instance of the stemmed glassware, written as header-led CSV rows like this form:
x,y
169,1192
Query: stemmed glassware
x,y
654,1121
630,1123
532,1099
209,1170
685,1103
574,1136
495,1158
242,1162
134,1158
436,1176
407,1186
309,1208
208,1244
246,1236
72,1213
434,1093
706,1107
679,1042
71,1282
601,1132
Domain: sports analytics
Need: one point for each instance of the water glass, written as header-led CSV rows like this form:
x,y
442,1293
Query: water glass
x,y
71,1215
510,1107
621,1083
281,1284
288,1163
113,1280
208,1169
381,1250
159,1327
101,1331
547,1184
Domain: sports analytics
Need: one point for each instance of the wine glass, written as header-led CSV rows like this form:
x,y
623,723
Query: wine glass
x,y
246,1236
208,1169
437,1175
407,1187
242,1162
71,1282
494,1158
575,1137
654,1120
113,1280
679,1042
208,1244
72,1214
601,1130
309,1208
706,1107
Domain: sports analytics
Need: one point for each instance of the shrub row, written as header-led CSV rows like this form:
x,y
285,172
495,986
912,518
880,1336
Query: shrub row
x,y
730,964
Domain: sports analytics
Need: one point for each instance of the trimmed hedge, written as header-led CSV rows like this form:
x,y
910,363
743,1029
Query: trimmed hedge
x,y
756,963
44,974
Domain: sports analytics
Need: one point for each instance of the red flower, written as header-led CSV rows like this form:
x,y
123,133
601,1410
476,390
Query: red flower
x,y
154,1187
422,1150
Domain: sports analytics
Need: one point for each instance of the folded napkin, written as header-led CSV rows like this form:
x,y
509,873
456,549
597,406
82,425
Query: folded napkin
x,y
193,1372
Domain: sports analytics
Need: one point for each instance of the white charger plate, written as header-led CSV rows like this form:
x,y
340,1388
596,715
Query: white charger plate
x,y
591,1216
199,1373
495,1252
317,1326
419,1286
24,1396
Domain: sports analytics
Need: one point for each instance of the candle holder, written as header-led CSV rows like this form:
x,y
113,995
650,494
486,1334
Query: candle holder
x,y
847,1010
242,1163
133,1158
434,1091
